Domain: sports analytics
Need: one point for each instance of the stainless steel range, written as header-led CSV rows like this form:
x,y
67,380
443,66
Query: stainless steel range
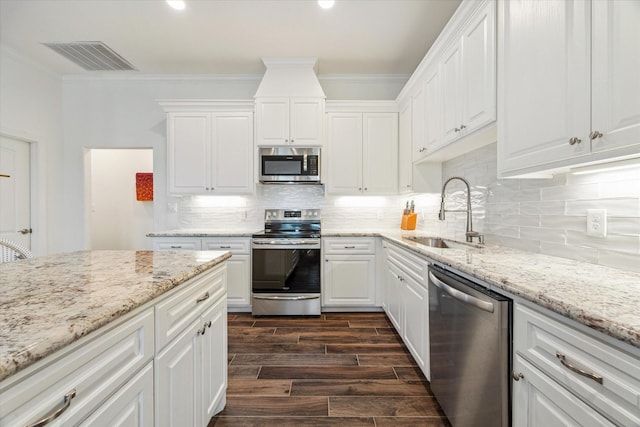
x,y
286,264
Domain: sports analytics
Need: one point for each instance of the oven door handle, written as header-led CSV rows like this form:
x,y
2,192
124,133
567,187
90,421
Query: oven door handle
x,y
288,243
287,298
461,296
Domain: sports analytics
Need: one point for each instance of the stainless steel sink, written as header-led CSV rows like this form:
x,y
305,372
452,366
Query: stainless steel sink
x,y
434,242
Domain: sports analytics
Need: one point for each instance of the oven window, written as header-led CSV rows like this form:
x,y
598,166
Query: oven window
x,y
281,167
286,270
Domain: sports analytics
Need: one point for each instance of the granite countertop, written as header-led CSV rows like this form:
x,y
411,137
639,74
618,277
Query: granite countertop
x,y
49,302
602,298
204,232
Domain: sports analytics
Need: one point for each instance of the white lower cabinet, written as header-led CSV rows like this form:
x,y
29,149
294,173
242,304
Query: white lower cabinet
x,y
349,272
238,266
540,401
564,376
407,301
131,406
191,368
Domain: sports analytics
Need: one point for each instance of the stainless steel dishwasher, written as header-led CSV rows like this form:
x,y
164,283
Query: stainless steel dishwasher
x,y
470,342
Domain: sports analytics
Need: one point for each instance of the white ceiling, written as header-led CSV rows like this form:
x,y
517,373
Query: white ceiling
x,y
230,36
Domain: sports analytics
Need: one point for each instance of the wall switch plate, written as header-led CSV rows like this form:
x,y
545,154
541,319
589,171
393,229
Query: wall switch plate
x,y
597,222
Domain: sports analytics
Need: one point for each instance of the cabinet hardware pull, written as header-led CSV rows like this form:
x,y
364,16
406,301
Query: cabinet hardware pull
x,y
365,189
349,247
57,412
575,140
595,135
202,298
201,331
462,127
563,359
176,247
517,376
25,231
456,130
208,324
225,247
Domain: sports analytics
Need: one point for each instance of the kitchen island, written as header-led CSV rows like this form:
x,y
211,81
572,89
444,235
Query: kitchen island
x,y
132,305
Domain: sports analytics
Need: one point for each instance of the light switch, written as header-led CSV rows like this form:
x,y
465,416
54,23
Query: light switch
x,y
597,222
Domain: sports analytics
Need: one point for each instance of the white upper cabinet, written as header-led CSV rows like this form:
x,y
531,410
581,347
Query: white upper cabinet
x,y
468,75
568,91
453,91
287,121
405,160
209,150
615,73
363,153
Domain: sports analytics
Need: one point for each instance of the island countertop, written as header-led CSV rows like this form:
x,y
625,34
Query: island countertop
x,y
49,302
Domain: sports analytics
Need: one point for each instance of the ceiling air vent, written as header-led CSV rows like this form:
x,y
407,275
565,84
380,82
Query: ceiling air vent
x,y
92,56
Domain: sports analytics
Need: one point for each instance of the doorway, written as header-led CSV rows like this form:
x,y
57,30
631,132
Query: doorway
x,y
116,219
15,190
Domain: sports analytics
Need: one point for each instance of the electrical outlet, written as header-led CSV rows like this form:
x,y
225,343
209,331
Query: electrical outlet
x,y
597,222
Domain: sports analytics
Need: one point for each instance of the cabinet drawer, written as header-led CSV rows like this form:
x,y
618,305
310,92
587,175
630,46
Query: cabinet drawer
x,y
411,264
562,352
339,245
172,244
183,307
94,370
235,245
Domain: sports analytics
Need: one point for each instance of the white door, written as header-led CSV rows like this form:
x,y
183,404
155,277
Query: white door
x,y
345,153
615,74
380,153
15,191
232,153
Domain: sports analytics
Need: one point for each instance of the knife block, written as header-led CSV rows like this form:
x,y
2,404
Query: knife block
x,y
409,221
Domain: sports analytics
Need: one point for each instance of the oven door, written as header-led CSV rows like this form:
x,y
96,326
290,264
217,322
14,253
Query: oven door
x,y
286,277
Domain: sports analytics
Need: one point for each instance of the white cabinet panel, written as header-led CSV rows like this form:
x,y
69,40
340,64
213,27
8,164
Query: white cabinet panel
x,y
451,80
418,122
213,354
238,267
405,150
363,153
286,121
188,136
349,280
232,167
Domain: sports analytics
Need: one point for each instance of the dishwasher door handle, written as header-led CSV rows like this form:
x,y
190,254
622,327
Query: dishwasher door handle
x,y
461,296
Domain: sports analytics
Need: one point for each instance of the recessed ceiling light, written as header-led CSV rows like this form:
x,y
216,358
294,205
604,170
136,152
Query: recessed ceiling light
x,y
326,4
176,4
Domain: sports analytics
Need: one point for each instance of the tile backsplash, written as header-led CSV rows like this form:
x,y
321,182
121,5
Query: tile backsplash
x,y
538,215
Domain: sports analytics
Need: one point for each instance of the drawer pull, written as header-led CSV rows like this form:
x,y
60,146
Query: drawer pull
x,y
517,376
349,247
57,412
176,247
563,360
202,298
225,247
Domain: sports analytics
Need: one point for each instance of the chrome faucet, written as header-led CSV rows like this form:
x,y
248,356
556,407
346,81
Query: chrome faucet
x,y
469,234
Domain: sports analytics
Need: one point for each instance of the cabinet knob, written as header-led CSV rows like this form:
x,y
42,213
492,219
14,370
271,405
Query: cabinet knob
x,y
575,140
365,188
517,376
359,188
456,130
595,135
462,126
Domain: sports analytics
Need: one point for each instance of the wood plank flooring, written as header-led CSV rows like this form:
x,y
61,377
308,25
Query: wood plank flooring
x,y
339,369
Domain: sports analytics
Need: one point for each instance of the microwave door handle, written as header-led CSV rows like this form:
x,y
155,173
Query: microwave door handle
x,y
304,162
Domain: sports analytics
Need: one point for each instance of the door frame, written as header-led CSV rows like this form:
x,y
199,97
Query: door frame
x,y
38,188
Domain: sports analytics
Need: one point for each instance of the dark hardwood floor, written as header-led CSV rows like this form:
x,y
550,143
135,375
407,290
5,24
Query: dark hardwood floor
x,y
339,369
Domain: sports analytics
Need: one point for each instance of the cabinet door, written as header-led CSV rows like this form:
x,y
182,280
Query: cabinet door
x,y
188,152
433,130
451,79
544,82
213,354
132,405
178,380
479,70
418,122
615,74
405,161
345,153
540,401
272,121
306,121
394,296
415,332
349,280
239,280
232,153
380,153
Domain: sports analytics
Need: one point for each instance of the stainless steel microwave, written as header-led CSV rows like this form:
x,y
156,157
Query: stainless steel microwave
x,y
289,165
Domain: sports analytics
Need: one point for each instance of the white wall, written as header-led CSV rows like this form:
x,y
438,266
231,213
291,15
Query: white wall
x,y
117,220
30,109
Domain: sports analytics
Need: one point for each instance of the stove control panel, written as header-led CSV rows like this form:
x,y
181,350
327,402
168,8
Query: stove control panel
x,y
291,214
